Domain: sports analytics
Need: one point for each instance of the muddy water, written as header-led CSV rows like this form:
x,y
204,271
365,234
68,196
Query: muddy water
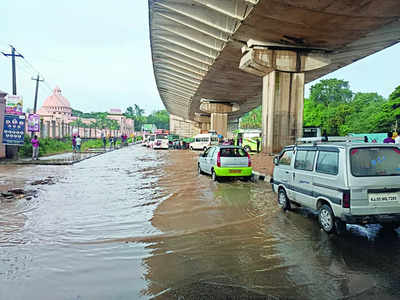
x,y
136,223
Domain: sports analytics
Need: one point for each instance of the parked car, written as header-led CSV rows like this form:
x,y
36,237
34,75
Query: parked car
x,y
161,141
225,161
345,182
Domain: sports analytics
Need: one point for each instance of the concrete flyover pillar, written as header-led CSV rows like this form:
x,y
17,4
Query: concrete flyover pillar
x,y
203,121
219,115
283,73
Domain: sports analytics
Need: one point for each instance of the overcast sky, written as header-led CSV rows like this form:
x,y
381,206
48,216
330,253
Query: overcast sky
x,y
98,52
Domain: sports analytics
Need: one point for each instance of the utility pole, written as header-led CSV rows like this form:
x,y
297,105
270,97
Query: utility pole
x,y
12,151
37,79
14,75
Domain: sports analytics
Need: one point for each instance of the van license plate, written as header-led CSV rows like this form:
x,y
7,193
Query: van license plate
x,y
235,171
378,197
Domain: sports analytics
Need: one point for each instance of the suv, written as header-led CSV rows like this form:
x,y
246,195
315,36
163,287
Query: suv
x,y
225,161
346,182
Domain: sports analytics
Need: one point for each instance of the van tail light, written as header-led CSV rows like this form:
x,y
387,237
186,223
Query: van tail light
x,y
249,160
219,160
346,199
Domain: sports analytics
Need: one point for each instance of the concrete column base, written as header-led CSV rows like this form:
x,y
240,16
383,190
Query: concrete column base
x,y
282,109
219,123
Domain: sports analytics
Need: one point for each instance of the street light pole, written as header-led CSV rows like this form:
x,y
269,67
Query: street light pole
x,y
37,79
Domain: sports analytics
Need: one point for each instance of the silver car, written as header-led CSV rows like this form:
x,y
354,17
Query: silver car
x,y
355,183
225,161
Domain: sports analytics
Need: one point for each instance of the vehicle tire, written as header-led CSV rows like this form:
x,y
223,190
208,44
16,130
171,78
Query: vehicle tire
x,y
205,148
326,219
247,178
247,149
214,176
191,148
283,201
199,170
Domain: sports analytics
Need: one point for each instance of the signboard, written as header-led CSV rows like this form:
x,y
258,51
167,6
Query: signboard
x,y
14,105
33,123
14,129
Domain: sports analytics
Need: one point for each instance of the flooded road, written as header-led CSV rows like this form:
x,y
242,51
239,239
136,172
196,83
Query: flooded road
x,y
142,224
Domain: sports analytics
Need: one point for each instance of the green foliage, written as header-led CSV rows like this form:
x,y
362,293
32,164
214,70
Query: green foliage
x,y
160,118
331,91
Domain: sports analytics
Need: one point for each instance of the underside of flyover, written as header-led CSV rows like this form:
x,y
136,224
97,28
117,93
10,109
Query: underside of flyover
x,y
197,45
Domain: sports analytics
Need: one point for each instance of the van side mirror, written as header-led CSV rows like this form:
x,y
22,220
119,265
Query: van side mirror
x,y
276,160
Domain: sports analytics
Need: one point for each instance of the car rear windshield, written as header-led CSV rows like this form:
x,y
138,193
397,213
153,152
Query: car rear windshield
x,y
233,152
375,161
161,136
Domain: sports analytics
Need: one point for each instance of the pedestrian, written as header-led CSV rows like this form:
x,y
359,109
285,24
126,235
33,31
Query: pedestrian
x,y
74,144
78,143
258,145
365,139
115,141
111,141
374,141
389,139
104,142
35,148
397,139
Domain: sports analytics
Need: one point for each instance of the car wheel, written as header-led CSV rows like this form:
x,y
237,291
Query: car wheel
x,y
283,200
191,148
199,170
389,227
214,176
326,219
205,148
247,149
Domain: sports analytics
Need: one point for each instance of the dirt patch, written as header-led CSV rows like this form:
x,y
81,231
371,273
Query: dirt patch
x,y
263,163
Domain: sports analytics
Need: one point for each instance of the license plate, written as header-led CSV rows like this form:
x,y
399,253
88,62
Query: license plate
x,y
378,197
235,171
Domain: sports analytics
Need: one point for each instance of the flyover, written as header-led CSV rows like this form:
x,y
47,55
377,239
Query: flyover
x,y
217,59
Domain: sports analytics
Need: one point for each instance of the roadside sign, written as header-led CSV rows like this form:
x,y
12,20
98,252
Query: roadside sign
x,y
13,130
33,122
14,105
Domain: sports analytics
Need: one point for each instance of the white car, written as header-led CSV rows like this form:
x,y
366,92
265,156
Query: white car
x,y
161,142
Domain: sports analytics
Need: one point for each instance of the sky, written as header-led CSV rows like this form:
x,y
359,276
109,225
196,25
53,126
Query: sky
x,y
98,53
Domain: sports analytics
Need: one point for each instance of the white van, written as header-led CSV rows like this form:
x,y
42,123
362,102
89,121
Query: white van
x,y
204,141
345,182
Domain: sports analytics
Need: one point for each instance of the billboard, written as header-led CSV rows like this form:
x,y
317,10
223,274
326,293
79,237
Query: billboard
x,y
33,122
13,130
14,105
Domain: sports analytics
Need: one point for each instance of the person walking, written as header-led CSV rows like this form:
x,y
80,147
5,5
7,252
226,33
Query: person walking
x,y
115,142
397,139
258,145
389,139
78,143
111,141
74,144
35,147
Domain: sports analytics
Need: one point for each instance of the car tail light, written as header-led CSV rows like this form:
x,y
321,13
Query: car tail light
x,y
249,159
219,159
346,199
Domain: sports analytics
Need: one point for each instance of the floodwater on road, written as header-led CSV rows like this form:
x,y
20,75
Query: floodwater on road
x,y
142,224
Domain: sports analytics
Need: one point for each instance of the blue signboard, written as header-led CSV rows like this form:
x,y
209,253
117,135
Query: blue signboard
x,y
14,130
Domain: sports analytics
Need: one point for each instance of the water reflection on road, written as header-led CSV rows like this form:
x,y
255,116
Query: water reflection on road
x,y
137,223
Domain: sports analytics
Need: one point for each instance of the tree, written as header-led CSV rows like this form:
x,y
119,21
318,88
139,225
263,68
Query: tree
x,y
330,91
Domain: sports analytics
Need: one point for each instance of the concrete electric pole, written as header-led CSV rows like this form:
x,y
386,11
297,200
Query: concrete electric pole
x,y
37,79
12,151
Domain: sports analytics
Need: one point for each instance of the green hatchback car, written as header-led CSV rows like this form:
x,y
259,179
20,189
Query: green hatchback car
x,y
225,161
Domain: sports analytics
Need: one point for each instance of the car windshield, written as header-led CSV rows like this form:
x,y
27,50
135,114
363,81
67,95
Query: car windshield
x,y
375,161
233,152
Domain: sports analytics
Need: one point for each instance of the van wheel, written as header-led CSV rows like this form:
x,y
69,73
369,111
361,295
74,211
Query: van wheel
x,y
389,227
326,219
199,170
283,201
205,148
214,176
247,149
191,148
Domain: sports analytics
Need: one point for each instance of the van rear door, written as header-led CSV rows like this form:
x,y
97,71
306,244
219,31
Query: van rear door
x,y
374,180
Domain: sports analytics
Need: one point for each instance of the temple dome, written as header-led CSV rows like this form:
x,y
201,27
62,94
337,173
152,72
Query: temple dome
x,y
56,103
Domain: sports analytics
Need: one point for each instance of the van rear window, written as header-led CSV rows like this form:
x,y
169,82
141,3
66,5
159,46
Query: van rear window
x,y
375,161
